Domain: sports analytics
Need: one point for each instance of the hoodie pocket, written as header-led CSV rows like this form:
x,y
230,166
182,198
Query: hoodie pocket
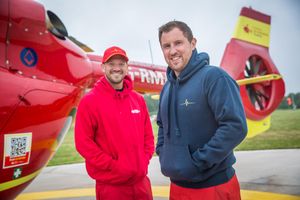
x,y
176,162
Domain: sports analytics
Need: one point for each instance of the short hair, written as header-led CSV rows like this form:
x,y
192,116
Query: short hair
x,y
186,30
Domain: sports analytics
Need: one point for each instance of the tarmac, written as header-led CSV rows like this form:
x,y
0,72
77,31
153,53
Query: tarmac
x,y
263,175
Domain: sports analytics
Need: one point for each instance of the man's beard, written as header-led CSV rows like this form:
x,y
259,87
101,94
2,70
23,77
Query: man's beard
x,y
113,81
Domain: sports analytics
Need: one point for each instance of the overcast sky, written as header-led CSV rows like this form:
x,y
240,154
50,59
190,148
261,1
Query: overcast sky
x,y
131,24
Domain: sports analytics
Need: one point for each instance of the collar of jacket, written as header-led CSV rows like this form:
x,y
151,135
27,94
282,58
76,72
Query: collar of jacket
x,y
103,84
196,62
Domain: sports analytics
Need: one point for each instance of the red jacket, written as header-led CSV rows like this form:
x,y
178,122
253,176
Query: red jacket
x,y
113,133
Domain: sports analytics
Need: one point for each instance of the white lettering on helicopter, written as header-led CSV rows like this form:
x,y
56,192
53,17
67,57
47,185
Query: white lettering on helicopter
x,y
148,76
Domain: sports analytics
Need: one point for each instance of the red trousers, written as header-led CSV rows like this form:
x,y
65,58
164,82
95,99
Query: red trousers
x,y
225,191
138,191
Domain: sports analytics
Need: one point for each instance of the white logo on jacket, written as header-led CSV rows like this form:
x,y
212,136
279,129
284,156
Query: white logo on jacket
x,y
187,103
135,111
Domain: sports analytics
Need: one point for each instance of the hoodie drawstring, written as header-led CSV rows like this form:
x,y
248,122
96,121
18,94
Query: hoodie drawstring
x,y
176,127
177,130
169,107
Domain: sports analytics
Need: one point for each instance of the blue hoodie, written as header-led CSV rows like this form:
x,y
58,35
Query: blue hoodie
x,y
201,120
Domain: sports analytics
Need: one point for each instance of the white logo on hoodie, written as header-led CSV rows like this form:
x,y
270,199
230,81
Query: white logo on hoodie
x,y
135,111
187,103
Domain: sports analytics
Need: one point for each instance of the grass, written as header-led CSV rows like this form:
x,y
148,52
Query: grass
x,y
66,153
283,134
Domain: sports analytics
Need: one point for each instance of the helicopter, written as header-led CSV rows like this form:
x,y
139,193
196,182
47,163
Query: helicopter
x,y
44,72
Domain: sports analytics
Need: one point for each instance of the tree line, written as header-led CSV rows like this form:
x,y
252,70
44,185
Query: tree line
x,y
291,101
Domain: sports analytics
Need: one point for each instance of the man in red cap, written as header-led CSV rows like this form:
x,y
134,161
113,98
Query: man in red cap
x,y
113,133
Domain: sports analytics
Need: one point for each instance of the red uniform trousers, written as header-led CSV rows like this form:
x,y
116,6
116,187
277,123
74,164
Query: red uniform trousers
x,y
138,191
226,191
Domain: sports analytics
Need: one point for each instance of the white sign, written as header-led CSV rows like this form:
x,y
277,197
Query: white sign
x,y
17,149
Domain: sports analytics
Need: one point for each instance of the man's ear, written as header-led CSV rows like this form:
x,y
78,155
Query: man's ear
x,y
103,67
194,42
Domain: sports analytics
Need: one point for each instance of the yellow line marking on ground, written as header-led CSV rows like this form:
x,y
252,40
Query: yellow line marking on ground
x,y
57,194
158,191
251,195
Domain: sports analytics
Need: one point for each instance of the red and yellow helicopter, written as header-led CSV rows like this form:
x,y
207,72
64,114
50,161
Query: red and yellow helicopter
x,y
44,73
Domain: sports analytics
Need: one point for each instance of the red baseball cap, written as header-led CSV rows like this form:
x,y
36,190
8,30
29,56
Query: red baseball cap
x,y
112,51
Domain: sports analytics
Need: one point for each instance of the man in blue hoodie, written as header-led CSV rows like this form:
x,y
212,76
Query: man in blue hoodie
x,y
201,120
